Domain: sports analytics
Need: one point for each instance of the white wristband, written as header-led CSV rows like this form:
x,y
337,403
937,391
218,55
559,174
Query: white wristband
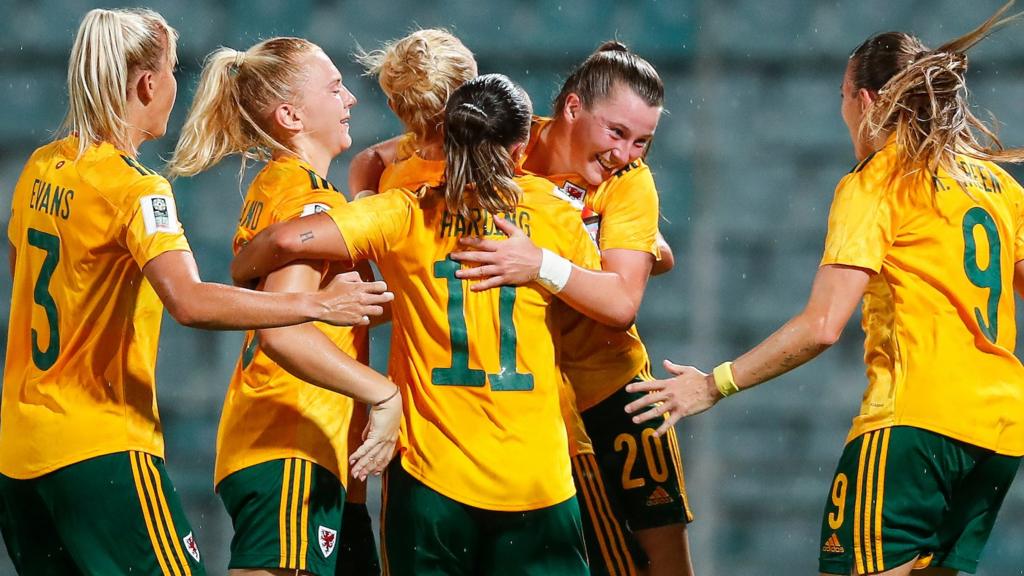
x,y
554,271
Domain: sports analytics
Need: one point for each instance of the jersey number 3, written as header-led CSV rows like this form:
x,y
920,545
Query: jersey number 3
x,y
460,374
991,276
44,359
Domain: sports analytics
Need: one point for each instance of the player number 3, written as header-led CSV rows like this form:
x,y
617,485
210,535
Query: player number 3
x,y
49,243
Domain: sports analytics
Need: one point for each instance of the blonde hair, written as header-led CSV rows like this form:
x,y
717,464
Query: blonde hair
x,y
110,47
418,73
922,98
235,101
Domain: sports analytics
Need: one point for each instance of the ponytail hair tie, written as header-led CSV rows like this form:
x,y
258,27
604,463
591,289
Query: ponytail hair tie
x,y
239,60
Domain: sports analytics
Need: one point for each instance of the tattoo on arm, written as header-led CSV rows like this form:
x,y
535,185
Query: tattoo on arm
x,y
306,236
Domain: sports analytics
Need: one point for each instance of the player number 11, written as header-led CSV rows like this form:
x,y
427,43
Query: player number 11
x,y
460,374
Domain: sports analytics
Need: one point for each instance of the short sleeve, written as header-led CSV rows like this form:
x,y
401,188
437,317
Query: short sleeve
x,y
372,226
861,224
307,203
628,207
151,221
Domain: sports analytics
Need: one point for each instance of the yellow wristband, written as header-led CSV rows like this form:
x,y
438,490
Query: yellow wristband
x,y
724,381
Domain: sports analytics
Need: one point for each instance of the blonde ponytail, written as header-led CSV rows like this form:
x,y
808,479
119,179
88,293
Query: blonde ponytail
x,y
111,45
234,102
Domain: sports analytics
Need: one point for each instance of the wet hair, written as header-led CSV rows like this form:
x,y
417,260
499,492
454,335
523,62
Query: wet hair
x,y
110,48
418,73
484,119
610,65
922,98
232,111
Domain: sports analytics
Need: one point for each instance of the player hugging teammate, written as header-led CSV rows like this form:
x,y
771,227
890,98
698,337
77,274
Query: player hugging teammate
x,y
518,249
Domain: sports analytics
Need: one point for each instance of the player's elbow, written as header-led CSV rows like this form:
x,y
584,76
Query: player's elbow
x,y
284,246
272,342
621,317
823,332
185,312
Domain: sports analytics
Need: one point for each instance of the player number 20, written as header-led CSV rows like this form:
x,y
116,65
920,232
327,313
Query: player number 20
x,y
654,455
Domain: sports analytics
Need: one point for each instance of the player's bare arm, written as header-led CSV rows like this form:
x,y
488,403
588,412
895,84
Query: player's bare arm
x,y
836,292
309,354
346,301
666,259
367,166
611,296
314,237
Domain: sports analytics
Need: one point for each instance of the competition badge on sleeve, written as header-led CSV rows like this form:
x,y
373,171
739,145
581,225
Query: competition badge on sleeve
x,y
314,208
159,214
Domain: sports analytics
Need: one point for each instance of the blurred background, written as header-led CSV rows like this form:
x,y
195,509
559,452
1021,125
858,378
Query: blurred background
x,y
746,158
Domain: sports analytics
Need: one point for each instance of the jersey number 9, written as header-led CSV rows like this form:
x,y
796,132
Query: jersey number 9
x,y
991,276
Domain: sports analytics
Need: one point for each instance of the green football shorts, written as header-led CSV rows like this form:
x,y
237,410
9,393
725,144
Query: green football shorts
x,y
286,514
902,493
428,534
633,481
112,514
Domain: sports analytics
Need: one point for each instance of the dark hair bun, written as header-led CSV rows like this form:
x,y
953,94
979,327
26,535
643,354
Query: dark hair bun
x,y
488,108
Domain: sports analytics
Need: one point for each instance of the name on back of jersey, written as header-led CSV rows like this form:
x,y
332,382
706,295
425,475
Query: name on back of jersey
x,y
51,199
480,223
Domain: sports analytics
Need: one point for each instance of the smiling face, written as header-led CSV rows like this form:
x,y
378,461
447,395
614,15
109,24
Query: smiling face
x,y
325,104
610,133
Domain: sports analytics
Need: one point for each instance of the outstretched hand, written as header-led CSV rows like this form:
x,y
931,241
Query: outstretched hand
x,y
511,262
379,439
348,301
688,392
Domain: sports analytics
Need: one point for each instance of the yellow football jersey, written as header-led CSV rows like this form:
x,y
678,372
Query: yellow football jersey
x,y
938,312
478,371
409,170
79,380
622,213
268,413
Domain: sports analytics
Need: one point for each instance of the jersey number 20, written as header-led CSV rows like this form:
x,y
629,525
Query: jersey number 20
x,y
44,359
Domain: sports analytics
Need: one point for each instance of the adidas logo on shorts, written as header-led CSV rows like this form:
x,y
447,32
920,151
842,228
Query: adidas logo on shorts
x,y
832,545
658,497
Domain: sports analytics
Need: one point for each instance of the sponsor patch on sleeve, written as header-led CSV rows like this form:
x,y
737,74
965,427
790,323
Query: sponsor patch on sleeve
x,y
159,214
314,208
